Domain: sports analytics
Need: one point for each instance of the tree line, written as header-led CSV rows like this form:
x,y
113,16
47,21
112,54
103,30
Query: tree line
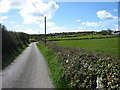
x,y
103,32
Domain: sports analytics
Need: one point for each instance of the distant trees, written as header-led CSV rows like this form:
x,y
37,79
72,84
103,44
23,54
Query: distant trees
x,y
24,38
106,32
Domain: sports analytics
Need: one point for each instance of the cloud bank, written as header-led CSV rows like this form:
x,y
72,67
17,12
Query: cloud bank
x,y
32,11
86,0
92,24
105,15
7,5
3,18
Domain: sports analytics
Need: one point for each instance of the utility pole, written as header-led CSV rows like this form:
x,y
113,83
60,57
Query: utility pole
x,y
45,30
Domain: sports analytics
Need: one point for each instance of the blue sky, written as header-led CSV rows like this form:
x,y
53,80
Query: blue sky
x,y
61,16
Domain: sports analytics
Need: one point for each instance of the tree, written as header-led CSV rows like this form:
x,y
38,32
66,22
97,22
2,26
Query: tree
x,y
106,32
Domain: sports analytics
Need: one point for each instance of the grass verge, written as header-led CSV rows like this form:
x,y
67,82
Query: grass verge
x,y
55,67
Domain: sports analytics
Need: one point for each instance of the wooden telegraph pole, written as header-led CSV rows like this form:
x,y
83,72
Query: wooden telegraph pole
x,y
45,30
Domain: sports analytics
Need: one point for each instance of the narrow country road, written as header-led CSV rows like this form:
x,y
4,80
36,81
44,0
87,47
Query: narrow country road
x,y
29,70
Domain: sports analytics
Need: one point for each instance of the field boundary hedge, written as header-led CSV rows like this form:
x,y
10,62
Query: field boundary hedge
x,y
84,38
84,70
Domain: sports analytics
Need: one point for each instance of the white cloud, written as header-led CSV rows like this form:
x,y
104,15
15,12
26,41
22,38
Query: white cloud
x,y
16,26
115,10
48,24
80,28
12,22
92,24
85,30
3,18
105,15
56,29
78,20
115,27
31,31
30,12
52,27
6,5
86,0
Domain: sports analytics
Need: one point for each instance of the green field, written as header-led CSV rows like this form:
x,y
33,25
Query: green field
x,y
100,46
77,36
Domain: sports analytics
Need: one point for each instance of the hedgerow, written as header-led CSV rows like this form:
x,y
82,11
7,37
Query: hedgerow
x,y
82,69
13,43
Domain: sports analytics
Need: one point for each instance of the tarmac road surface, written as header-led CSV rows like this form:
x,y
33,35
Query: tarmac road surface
x,y
29,70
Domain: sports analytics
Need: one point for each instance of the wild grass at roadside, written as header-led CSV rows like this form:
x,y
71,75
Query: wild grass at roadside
x,y
55,67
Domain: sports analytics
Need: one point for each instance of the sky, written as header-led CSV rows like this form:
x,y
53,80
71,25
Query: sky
x,y
28,16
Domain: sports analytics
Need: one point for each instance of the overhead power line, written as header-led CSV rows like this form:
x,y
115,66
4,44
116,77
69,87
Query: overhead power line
x,y
37,8
34,5
45,20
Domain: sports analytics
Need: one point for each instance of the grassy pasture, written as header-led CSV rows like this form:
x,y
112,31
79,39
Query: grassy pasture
x,y
100,46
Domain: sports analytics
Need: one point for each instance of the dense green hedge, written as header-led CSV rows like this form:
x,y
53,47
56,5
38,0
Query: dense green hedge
x,y
12,44
84,70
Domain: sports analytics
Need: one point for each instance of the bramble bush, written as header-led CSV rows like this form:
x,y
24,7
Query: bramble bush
x,y
82,69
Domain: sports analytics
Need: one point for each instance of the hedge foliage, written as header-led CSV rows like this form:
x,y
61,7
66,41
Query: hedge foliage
x,y
84,70
12,43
